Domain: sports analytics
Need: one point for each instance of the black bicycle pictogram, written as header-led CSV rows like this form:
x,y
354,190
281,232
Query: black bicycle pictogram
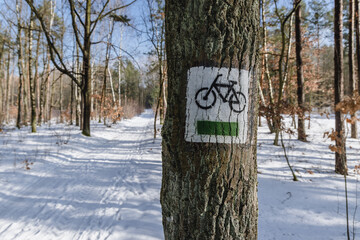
x,y
205,97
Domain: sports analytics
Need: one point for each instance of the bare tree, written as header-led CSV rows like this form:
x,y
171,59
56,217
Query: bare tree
x,y
83,26
156,36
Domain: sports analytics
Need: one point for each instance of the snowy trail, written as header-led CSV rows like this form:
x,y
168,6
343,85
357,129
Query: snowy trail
x,y
103,187
107,186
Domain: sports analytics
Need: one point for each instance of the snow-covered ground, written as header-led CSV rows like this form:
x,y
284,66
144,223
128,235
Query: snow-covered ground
x,y
103,187
108,186
314,207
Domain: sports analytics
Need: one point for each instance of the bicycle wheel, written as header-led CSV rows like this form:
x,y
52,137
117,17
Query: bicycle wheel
x,y
204,102
237,104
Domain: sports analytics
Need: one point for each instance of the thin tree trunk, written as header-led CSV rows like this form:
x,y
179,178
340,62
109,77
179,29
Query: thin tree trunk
x,y
36,76
51,97
86,77
282,71
77,91
20,67
2,82
209,189
111,86
300,76
78,106
357,30
352,61
119,67
61,99
43,90
92,87
72,102
8,92
62,56
32,80
340,154
158,105
270,123
25,85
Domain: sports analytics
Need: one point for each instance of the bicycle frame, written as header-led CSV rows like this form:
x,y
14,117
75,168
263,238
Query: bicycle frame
x,y
217,86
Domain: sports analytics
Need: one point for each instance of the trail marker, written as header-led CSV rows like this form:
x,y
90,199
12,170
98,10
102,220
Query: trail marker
x,y
217,105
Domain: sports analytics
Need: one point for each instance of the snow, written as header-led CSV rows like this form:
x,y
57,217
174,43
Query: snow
x,y
103,187
108,186
313,207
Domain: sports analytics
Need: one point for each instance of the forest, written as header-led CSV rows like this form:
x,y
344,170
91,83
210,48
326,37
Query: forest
x,y
169,119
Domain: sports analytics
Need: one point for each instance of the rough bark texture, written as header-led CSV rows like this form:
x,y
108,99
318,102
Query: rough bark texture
x,y
299,73
340,154
86,81
209,189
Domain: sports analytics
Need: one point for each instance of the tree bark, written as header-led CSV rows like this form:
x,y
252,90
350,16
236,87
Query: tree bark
x,y
31,78
352,61
8,92
357,30
72,103
340,154
86,81
269,121
300,76
209,190
20,67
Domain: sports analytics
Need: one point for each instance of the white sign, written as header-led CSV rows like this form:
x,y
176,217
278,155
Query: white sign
x,y
217,105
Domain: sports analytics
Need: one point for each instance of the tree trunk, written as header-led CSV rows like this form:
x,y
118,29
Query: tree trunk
x,y
78,106
36,76
119,67
282,72
8,95
352,62
86,81
77,91
357,29
209,188
51,97
269,121
72,102
20,67
300,76
340,154
61,99
112,87
106,70
31,79
25,83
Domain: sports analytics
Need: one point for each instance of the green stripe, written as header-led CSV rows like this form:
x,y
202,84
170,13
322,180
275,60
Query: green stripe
x,y
217,128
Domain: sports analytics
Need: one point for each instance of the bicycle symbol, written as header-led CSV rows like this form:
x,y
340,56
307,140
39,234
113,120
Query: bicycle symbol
x,y
205,97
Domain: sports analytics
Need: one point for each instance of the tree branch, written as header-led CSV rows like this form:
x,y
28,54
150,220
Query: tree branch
x,y
73,20
101,15
52,48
